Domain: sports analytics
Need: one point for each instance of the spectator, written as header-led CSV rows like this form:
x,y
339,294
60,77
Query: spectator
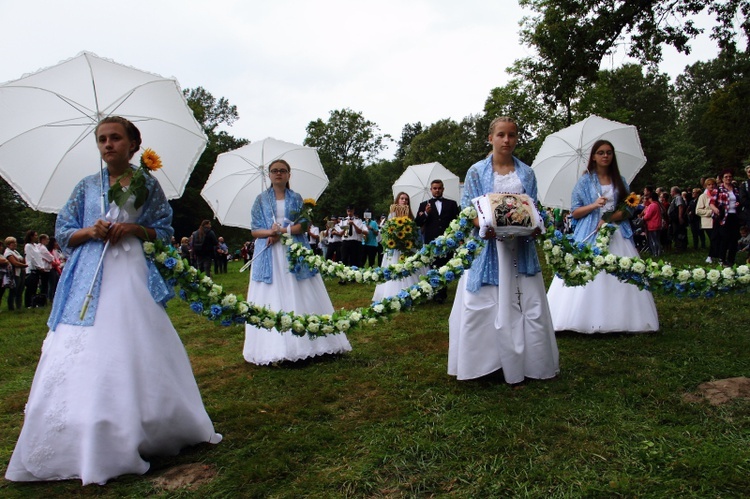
x,y
204,244
58,263
652,216
19,273
703,210
185,248
677,213
725,205
742,245
694,220
313,236
352,229
333,237
6,273
744,192
370,241
222,257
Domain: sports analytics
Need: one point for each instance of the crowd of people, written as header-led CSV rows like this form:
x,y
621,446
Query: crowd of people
x,y
502,319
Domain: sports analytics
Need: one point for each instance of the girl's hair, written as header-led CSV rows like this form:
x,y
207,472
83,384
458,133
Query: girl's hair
x,y
283,162
614,170
202,230
130,130
51,243
29,236
709,180
408,205
501,119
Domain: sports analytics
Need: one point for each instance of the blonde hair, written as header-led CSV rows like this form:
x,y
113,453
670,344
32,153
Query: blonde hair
x,y
501,119
10,240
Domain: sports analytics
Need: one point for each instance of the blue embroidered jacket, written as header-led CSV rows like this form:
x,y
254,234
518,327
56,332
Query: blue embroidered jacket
x,y
83,209
585,192
263,215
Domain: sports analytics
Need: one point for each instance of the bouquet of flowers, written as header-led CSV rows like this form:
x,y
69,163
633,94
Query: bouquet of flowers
x,y
150,162
508,214
400,233
305,213
626,208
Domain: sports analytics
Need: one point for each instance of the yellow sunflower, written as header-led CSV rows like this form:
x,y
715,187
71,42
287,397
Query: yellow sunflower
x,y
151,160
391,243
633,200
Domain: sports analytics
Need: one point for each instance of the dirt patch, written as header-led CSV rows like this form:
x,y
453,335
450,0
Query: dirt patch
x,y
720,391
185,476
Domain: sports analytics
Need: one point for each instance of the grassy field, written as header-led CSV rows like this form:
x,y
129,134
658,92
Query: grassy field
x,y
387,421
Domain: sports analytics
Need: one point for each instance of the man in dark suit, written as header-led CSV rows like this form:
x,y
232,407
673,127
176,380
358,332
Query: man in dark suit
x,y
433,217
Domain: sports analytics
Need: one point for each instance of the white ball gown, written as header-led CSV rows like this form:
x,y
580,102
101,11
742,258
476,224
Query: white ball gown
x,y
606,304
106,396
504,327
305,296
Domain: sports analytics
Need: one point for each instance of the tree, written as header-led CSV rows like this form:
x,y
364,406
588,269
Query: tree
x,y
191,208
346,143
571,37
449,143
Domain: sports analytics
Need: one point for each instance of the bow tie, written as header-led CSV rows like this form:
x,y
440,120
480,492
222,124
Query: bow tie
x,y
438,199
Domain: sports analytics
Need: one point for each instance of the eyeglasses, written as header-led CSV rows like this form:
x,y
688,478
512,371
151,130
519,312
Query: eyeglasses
x,y
604,153
277,171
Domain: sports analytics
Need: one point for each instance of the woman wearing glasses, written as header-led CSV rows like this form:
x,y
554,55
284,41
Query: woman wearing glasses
x,y
598,194
272,285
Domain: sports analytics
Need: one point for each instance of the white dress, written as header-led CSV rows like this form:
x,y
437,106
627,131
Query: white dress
x,y
106,396
504,327
391,288
305,296
606,304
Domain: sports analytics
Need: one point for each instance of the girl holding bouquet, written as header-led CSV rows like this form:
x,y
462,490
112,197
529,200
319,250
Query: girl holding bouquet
x,y
114,383
500,317
601,194
277,211
401,207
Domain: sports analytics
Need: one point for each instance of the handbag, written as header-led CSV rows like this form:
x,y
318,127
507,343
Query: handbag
x,y
8,280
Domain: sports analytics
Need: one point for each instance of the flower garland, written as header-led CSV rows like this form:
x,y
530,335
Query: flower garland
x,y
210,301
453,238
578,263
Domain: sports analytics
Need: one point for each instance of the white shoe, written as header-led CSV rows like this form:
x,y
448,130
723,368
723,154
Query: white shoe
x,y
708,259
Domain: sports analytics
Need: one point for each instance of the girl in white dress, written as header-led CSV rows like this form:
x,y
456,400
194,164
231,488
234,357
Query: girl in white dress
x,y
400,207
113,385
500,317
606,304
272,285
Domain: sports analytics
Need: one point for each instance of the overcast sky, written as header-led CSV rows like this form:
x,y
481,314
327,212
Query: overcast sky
x,y
284,63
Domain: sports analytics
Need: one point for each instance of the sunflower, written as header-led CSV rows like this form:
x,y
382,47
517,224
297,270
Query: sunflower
x,y
391,243
309,202
633,200
150,160
409,245
407,229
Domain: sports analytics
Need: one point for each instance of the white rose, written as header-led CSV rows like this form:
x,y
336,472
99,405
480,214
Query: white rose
x,y
547,245
713,276
396,305
727,273
342,325
355,316
414,293
161,257
298,327
743,270
372,320
378,309
639,267
569,259
313,327
268,323
327,329
179,266
666,271
699,274
683,275
254,319
149,248
610,259
229,301
556,251
242,308
598,260
625,263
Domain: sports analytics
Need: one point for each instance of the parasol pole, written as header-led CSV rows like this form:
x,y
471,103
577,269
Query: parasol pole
x,y
89,295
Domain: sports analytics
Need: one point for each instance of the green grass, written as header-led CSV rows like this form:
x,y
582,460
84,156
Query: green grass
x,y
387,421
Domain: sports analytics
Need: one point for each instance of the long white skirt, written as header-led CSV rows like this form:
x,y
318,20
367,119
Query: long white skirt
x,y
391,288
306,296
606,304
104,396
490,330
